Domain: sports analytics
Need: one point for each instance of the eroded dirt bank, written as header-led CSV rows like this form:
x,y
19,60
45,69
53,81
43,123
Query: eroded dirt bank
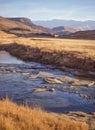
x,y
59,59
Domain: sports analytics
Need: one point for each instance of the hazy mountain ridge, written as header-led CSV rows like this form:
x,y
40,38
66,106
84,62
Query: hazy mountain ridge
x,y
61,30
57,30
26,28
79,25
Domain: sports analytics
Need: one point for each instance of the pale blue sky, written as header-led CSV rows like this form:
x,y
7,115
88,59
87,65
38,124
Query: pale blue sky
x,y
49,9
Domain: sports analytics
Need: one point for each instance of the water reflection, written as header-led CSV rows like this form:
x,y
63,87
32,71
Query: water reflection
x,y
6,58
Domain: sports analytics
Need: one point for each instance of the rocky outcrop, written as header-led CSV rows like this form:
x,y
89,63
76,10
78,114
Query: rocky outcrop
x,y
83,117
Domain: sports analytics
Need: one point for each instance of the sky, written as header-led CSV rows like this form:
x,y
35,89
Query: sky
x,y
49,9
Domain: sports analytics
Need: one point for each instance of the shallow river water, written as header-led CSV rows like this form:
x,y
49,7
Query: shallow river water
x,y
18,80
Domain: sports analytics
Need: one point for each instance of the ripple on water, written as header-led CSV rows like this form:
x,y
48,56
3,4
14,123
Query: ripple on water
x,y
18,81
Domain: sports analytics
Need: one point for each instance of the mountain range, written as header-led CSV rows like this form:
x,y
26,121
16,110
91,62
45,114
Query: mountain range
x,y
79,25
24,27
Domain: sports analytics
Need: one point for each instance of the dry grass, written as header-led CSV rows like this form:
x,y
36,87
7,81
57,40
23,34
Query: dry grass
x,y
4,35
50,44
14,117
77,54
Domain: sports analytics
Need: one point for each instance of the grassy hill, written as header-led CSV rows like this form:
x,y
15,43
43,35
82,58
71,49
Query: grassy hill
x,y
23,28
90,35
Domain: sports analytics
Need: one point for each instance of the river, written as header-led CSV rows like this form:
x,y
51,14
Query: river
x,y
19,79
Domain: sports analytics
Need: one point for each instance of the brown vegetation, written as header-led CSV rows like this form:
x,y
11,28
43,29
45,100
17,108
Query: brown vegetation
x,y
63,30
90,34
77,54
14,117
23,27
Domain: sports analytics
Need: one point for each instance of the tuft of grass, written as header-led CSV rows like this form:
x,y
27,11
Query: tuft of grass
x,y
14,117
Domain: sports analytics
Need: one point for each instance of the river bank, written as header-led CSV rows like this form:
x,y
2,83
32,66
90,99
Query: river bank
x,y
57,58
61,53
17,117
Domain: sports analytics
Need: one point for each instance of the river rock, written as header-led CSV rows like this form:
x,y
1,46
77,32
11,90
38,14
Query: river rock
x,y
45,87
86,96
51,90
42,74
91,84
67,79
53,81
82,83
25,74
40,89
45,74
76,82
14,71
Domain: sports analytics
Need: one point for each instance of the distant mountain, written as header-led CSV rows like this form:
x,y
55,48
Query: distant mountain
x,y
26,28
23,20
6,24
81,35
57,30
23,27
79,25
61,30
28,22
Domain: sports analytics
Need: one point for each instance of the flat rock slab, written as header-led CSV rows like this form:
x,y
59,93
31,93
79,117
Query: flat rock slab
x,y
44,89
76,82
83,83
67,79
40,89
53,81
42,74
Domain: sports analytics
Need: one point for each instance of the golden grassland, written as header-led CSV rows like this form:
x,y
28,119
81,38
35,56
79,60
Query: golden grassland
x,y
77,54
14,117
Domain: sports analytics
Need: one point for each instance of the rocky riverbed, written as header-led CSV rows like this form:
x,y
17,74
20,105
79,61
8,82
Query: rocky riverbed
x,y
44,86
